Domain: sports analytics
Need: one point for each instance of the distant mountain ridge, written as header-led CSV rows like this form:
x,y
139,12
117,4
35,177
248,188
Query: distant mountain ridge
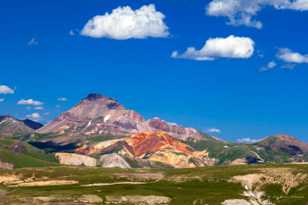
x,y
103,131
272,149
99,115
10,126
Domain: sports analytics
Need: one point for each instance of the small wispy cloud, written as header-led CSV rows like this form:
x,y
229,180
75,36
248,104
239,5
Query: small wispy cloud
x,y
243,12
214,130
269,66
289,56
2,99
30,102
71,33
39,108
4,89
33,42
62,99
247,140
34,116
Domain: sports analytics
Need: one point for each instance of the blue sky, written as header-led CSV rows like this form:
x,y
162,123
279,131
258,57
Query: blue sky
x,y
48,53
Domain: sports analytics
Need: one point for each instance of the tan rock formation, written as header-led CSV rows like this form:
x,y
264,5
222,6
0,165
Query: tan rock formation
x,y
113,161
76,159
138,200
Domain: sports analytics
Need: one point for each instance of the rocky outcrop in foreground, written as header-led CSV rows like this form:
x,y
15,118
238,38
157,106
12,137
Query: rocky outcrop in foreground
x,y
138,200
113,161
76,159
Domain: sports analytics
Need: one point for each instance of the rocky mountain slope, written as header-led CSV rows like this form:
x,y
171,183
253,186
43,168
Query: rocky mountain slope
x,y
99,115
12,127
145,148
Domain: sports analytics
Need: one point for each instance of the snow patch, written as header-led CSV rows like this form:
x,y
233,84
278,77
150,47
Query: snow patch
x,y
107,117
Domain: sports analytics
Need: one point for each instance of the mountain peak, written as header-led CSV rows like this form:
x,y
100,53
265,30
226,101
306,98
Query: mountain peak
x,y
94,96
7,117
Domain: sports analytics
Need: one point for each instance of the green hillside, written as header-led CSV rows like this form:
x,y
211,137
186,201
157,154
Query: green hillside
x,y
21,154
274,149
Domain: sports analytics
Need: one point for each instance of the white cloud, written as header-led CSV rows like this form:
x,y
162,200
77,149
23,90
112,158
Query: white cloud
x,y
242,12
290,56
125,23
301,5
247,140
4,89
230,47
39,108
2,99
33,42
34,116
62,99
30,102
269,66
214,130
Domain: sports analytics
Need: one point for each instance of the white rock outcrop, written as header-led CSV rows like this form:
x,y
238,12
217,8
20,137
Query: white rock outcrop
x,y
113,161
76,159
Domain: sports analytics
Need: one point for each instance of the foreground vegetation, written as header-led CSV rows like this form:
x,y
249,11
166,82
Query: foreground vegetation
x,y
199,186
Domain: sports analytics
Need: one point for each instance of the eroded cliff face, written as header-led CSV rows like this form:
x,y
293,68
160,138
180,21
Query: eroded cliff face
x,y
99,115
156,146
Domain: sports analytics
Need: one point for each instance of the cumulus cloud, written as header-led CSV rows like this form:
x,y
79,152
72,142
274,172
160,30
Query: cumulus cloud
x,y
230,47
4,89
290,56
214,130
301,5
125,23
2,100
30,102
34,116
247,140
242,12
62,99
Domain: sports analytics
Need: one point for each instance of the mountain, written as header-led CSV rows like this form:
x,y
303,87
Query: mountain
x,y
97,115
144,148
12,127
273,149
282,148
101,128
